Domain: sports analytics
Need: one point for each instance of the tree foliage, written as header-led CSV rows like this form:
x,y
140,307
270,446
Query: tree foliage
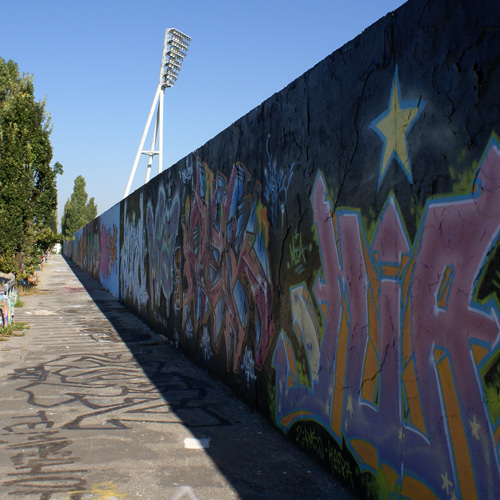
x,y
78,211
28,191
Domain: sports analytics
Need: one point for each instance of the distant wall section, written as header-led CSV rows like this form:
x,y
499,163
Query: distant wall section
x,y
333,255
95,249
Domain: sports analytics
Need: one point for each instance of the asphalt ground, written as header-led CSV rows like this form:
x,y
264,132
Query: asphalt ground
x,y
94,405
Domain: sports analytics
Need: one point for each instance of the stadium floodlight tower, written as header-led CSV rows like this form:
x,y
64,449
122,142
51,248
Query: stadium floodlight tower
x,y
175,48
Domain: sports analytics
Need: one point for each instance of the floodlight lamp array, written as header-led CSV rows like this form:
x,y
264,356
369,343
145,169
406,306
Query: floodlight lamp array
x,y
176,47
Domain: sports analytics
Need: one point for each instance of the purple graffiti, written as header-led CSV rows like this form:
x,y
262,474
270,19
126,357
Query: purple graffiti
x,y
395,372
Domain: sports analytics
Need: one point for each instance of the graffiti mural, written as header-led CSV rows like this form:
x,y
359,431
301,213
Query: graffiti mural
x,y
161,227
109,262
226,233
298,254
88,250
276,186
395,372
8,297
133,285
334,256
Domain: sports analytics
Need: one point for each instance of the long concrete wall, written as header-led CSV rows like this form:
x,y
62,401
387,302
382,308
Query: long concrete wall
x,y
333,255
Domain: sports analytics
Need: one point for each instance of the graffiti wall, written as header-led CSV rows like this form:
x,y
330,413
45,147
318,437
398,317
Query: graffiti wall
x,y
8,297
109,258
95,249
334,255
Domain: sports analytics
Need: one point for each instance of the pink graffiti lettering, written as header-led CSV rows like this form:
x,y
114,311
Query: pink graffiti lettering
x,y
395,370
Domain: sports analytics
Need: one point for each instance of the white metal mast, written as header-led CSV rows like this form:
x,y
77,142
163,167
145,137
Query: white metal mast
x,y
175,47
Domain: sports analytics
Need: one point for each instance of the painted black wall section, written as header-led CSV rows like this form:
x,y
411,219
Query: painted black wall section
x,y
333,255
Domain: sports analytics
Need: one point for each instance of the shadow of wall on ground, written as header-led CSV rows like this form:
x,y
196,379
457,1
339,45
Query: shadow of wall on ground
x,y
257,460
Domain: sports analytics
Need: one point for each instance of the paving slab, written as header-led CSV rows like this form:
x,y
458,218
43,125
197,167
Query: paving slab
x,y
93,405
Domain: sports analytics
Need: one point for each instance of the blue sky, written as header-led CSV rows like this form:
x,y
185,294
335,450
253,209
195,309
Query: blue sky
x,y
97,63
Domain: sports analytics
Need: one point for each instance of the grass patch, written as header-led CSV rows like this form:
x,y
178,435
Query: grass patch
x,y
28,289
19,303
25,290
13,330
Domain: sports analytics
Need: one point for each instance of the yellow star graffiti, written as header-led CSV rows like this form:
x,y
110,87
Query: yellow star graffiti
x,y
393,126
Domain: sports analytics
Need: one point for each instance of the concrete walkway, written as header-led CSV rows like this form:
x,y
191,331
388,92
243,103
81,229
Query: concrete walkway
x,y
92,406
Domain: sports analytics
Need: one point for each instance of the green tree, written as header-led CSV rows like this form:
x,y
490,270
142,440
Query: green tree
x,y
28,192
77,211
